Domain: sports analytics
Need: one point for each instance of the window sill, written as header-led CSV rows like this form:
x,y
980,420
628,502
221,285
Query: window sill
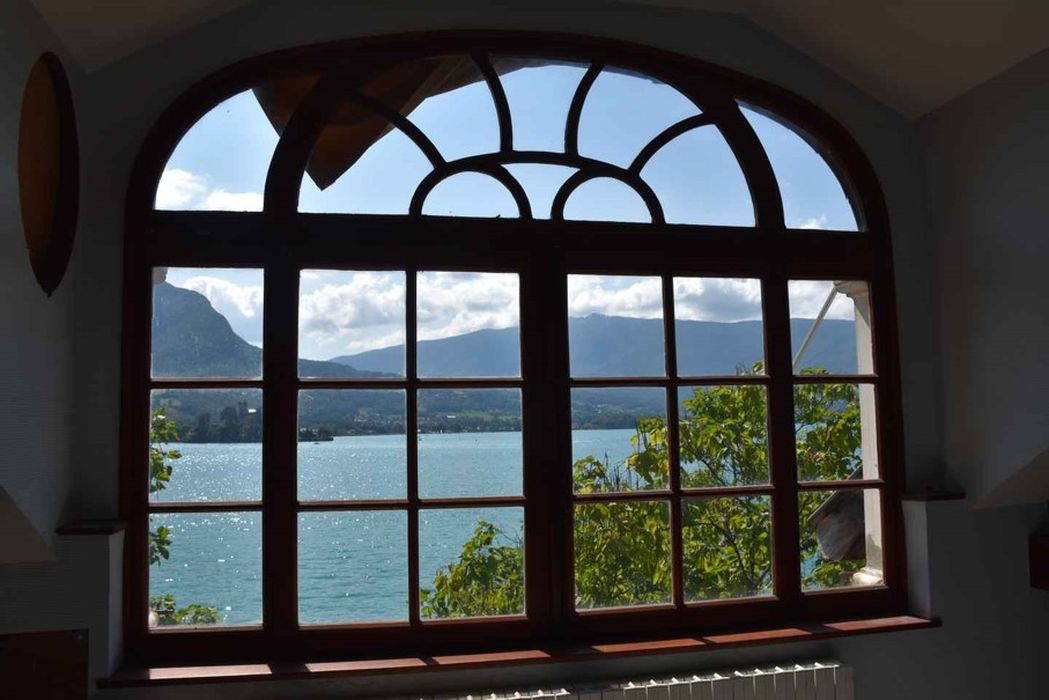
x,y
186,675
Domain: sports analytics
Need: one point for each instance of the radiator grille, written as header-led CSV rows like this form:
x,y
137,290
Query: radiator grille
x,y
814,680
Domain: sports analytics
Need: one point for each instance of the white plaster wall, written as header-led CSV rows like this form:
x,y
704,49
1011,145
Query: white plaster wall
x,y
80,590
987,155
36,393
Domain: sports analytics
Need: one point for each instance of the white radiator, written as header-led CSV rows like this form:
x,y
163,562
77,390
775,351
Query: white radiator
x,y
815,680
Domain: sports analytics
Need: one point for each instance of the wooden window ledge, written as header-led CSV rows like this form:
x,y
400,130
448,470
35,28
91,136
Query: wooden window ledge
x,y
186,675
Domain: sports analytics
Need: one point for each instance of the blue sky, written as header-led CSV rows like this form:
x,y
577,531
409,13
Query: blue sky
x,y
221,165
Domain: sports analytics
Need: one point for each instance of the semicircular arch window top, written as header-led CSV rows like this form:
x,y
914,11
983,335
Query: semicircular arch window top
x,y
538,137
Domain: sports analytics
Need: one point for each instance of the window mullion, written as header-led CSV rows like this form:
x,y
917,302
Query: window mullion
x,y
557,404
412,436
785,535
540,455
673,446
279,475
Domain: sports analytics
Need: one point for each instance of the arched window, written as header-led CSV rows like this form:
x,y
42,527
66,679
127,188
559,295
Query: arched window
x,y
508,339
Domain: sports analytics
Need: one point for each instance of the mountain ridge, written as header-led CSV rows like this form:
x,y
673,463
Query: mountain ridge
x,y
192,339
705,348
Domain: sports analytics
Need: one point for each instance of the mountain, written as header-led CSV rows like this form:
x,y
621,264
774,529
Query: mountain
x,y
191,339
704,348
484,353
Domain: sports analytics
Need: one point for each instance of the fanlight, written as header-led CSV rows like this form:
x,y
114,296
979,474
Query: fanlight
x,y
503,136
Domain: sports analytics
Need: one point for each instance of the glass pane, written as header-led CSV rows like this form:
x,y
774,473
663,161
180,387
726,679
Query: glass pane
x,y
615,326
353,567
812,194
718,326
352,444
724,436
351,323
539,92
470,443
471,194
830,327
207,322
727,546
205,569
836,434
471,562
622,553
699,181
619,440
222,161
840,538
369,167
624,111
205,445
541,183
448,99
606,199
469,324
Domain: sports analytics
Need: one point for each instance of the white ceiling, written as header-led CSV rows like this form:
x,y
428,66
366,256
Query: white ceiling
x,y
100,32
913,55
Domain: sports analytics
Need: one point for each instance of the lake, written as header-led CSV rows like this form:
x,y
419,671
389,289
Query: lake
x,y
352,565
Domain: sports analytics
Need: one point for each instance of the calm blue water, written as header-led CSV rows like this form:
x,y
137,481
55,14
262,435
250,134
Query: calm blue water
x,y
352,565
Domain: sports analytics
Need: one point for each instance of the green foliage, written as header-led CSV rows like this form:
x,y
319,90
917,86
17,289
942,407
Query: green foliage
x,y
159,544
163,430
724,436
827,430
169,614
478,583
622,549
622,553
196,614
827,433
321,434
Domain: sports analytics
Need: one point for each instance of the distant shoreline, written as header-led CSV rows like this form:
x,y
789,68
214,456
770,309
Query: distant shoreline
x,y
334,437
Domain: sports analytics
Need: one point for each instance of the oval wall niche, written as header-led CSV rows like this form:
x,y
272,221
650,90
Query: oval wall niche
x,y
48,171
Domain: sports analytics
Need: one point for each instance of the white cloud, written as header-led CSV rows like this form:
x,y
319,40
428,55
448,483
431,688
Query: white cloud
x,y
351,312
807,297
695,299
246,300
815,222
453,303
717,299
184,190
348,312
634,297
178,188
241,304
221,200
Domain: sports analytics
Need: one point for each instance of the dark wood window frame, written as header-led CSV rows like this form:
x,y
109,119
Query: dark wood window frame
x,y
282,242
